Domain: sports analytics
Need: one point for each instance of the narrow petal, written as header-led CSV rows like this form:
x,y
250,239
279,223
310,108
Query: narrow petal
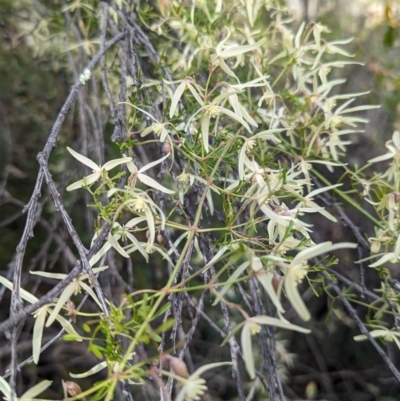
x,y
88,180
84,160
225,68
68,327
215,257
38,333
24,294
113,163
319,249
242,156
175,99
272,321
234,116
374,333
266,281
115,244
96,369
92,294
385,258
96,257
382,158
195,94
57,276
152,164
66,294
294,297
209,366
247,350
150,182
237,50
236,274
5,388
136,246
36,390
205,128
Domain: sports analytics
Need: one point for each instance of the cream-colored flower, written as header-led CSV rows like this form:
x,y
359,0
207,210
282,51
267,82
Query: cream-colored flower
x,y
145,179
29,395
382,332
98,171
195,386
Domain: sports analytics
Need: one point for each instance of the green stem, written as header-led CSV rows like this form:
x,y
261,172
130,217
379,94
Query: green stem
x,y
349,200
163,294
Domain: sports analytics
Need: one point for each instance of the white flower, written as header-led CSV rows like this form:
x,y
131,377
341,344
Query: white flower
x,y
194,386
224,51
97,170
145,179
29,395
394,149
382,332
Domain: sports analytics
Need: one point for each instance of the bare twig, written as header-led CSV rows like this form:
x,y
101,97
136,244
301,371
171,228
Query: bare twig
x,y
362,327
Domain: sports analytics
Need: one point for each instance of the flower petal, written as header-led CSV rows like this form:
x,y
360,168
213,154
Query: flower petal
x,y
247,350
175,99
84,160
97,368
152,164
36,390
113,163
66,294
88,180
294,296
272,321
150,182
38,333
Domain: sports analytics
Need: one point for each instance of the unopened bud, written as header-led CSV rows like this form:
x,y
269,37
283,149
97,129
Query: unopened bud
x,y
160,239
167,148
71,388
276,280
71,310
178,366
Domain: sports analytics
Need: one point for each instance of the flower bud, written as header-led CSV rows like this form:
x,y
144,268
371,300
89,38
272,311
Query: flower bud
x,y
167,148
276,279
160,239
178,366
71,388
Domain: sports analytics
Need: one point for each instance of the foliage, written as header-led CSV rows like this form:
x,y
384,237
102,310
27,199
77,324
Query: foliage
x,y
228,121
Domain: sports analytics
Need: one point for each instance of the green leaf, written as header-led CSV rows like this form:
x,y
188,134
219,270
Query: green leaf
x,y
389,37
72,337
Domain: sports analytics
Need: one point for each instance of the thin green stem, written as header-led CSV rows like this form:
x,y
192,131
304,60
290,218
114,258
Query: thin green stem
x,y
163,294
349,200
